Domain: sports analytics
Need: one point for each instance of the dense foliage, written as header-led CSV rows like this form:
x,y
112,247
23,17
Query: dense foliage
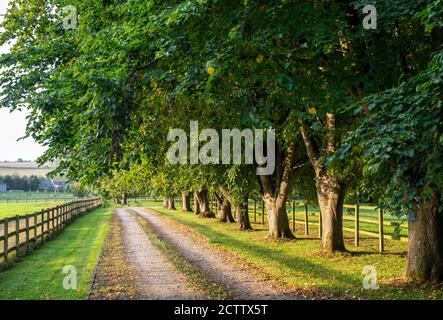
x,y
357,113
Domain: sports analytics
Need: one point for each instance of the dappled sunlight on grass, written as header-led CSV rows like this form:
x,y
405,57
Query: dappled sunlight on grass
x,y
301,263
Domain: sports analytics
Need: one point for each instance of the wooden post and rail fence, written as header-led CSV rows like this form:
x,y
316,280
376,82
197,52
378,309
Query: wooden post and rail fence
x,y
21,233
356,219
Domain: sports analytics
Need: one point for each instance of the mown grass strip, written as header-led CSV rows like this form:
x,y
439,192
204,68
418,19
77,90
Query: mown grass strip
x,y
40,275
196,278
115,277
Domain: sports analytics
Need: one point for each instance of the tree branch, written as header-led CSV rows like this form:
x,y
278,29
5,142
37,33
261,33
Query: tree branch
x,y
311,150
287,167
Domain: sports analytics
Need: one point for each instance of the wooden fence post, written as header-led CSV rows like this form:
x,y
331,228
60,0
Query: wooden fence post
x,y
357,225
42,225
293,216
380,231
320,225
35,228
58,217
48,220
306,220
17,236
27,233
52,218
5,241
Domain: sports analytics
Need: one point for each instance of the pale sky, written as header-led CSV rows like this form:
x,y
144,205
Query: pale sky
x,y
13,126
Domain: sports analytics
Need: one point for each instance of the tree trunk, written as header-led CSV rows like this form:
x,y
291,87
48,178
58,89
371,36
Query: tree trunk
x,y
124,200
277,217
196,205
171,203
331,194
330,191
224,211
425,254
203,203
274,195
242,214
186,202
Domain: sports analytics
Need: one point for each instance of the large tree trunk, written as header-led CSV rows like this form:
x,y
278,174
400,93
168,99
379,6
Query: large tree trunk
x,y
186,202
224,212
277,216
240,210
274,194
331,195
242,215
425,254
171,204
203,203
330,191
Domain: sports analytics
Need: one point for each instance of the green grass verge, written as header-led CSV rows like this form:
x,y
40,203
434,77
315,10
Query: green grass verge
x,y
302,264
40,275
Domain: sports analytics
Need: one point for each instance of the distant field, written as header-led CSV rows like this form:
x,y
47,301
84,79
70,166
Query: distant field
x,y
19,203
24,171
13,209
33,196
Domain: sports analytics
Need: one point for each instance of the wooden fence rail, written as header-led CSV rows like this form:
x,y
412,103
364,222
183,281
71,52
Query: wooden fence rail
x,y
17,234
36,200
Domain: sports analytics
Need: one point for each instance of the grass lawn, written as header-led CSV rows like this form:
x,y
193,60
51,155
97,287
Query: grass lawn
x,y
302,264
21,208
40,276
